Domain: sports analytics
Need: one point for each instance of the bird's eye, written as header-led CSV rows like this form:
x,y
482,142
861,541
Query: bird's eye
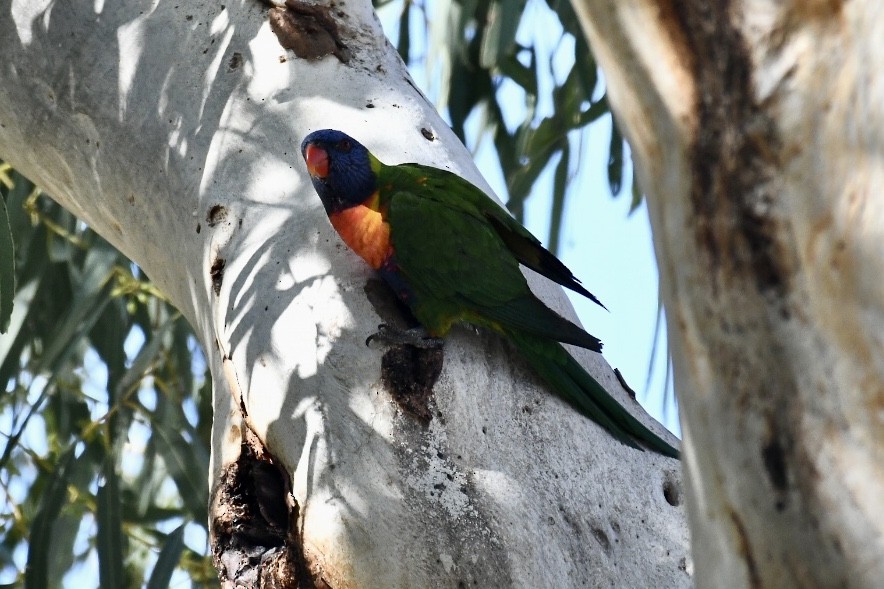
x,y
344,145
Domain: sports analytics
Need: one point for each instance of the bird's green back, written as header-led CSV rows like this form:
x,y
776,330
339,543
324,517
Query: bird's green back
x,y
446,251
455,262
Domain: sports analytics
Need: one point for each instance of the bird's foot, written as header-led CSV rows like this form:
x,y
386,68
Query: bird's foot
x,y
416,336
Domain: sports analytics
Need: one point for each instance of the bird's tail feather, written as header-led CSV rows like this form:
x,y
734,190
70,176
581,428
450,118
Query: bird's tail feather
x,y
575,385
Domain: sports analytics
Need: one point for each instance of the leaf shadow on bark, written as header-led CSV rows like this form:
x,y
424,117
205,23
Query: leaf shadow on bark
x,y
366,472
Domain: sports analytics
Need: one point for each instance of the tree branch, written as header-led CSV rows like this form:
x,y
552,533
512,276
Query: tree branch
x,y
174,133
757,132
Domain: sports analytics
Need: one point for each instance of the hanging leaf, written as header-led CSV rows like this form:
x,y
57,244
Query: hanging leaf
x,y
615,160
637,195
523,75
7,268
186,462
560,187
10,343
404,44
499,37
168,560
109,541
53,498
594,112
490,47
464,97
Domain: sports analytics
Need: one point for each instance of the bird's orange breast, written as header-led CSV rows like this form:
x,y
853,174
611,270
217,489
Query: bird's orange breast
x,y
364,230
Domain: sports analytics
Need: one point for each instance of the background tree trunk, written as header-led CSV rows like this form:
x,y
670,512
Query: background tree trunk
x,y
173,130
758,133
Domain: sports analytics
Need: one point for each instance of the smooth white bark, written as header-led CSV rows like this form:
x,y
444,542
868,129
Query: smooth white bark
x,y
144,122
771,271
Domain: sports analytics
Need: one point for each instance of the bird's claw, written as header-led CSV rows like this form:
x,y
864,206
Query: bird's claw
x,y
416,337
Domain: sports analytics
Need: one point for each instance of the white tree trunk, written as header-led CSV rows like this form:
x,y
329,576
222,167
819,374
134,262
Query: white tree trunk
x,y
173,129
758,133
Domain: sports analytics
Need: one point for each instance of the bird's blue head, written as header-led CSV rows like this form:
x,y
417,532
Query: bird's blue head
x,y
340,168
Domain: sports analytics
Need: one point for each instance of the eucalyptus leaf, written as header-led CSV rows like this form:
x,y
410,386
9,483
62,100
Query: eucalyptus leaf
x,y
109,541
499,37
637,195
560,185
7,268
523,75
21,306
615,161
145,357
168,559
186,464
52,500
81,316
61,549
404,44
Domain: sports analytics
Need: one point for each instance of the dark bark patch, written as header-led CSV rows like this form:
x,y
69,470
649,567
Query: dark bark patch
x,y
216,214
672,490
216,273
309,30
733,154
774,458
255,542
409,373
603,540
235,61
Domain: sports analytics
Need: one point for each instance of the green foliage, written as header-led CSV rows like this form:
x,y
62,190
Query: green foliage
x,y
7,255
104,417
489,52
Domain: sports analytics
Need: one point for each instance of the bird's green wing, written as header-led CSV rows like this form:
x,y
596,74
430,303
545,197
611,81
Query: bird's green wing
x,y
447,251
469,274
529,314
459,254
526,248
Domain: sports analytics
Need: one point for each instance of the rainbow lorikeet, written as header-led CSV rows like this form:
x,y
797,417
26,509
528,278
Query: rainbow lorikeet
x,y
451,254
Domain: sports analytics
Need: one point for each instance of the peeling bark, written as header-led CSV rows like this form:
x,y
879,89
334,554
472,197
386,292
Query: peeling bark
x,y
758,133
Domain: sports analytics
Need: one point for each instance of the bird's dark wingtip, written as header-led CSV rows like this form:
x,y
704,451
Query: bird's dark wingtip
x,y
579,289
600,304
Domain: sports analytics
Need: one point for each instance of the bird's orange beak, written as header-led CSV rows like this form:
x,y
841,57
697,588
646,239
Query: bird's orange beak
x,y
317,161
